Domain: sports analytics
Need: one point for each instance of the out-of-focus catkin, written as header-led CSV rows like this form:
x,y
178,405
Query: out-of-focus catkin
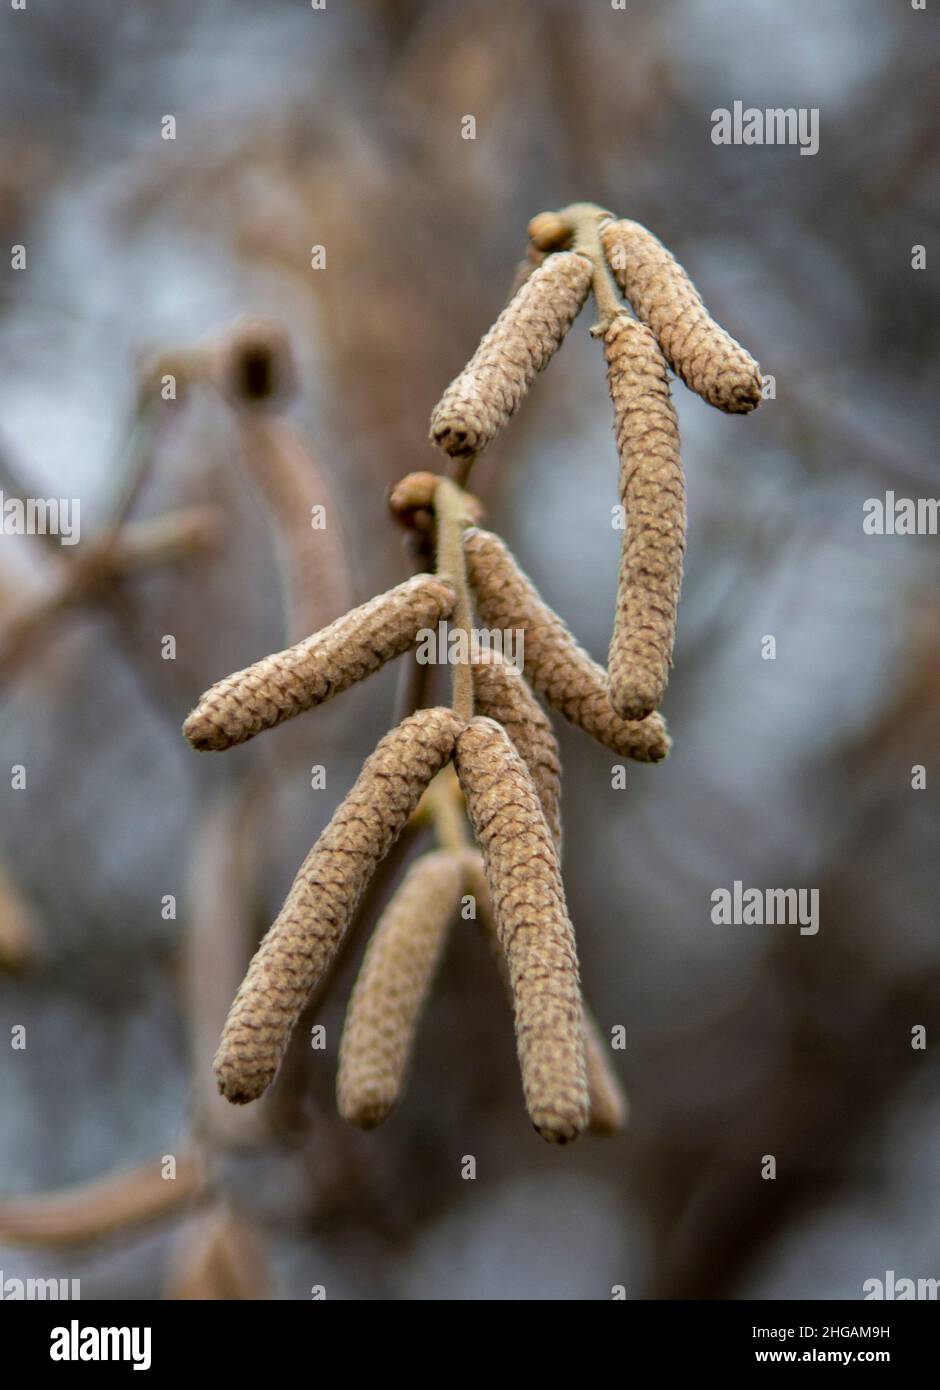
x,y
482,399
394,979
501,693
652,493
556,665
708,359
533,926
284,685
315,573
300,946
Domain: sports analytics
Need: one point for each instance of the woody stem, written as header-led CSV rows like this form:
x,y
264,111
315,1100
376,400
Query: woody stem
x,y
453,517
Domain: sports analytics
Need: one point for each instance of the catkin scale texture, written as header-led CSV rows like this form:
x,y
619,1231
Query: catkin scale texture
x,y
652,493
556,665
300,946
482,399
501,693
284,685
394,980
533,927
708,359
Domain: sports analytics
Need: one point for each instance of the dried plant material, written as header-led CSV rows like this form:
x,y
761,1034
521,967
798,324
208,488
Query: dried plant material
x,y
556,665
609,1107
18,933
311,556
101,1208
482,399
501,693
281,686
221,930
533,927
411,501
707,358
394,979
222,1258
652,493
300,946
252,363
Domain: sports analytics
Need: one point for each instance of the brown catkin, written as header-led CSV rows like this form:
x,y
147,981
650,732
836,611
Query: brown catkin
x,y
482,399
533,927
708,359
312,561
652,493
556,665
300,946
501,693
394,979
608,1104
285,684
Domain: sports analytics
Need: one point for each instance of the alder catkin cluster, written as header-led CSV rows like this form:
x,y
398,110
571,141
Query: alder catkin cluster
x,y
672,329
485,767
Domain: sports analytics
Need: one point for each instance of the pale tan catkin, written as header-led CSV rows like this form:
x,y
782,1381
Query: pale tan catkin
x,y
556,665
609,1107
708,359
285,684
482,399
393,983
652,493
533,926
312,560
300,946
501,693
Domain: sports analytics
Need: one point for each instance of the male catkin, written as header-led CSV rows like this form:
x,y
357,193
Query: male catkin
x,y
501,693
708,359
394,980
556,665
533,926
300,946
482,399
652,493
284,685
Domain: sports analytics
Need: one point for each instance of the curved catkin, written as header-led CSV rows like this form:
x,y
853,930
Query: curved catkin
x,y
708,359
556,665
300,946
482,399
312,561
501,693
533,927
393,983
285,684
609,1107
652,493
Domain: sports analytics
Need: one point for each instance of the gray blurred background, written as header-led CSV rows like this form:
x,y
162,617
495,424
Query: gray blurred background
x,y
342,128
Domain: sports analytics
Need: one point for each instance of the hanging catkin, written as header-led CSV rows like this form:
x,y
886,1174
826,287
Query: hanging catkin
x,y
284,685
312,561
482,399
533,926
707,358
608,1104
652,493
299,948
501,693
556,665
394,979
